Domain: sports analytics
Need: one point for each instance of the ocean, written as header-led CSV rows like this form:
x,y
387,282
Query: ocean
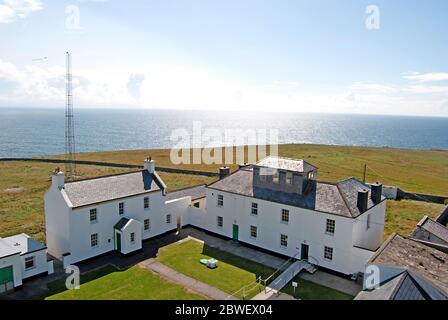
x,y
39,132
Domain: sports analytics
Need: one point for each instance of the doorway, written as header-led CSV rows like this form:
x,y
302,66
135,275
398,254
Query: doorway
x,y
304,251
6,279
236,231
118,241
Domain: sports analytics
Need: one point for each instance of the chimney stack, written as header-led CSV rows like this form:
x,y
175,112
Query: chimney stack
x,y
58,178
363,197
376,192
150,165
224,172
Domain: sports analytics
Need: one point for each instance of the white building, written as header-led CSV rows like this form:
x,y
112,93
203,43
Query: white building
x,y
275,205
21,258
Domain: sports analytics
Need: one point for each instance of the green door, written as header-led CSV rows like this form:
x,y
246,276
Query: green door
x,y
6,279
235,232
118,242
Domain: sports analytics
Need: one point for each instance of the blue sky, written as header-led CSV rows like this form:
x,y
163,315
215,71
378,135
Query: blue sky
x,y
265,55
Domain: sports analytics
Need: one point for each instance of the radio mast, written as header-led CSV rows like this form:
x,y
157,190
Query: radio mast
x,y
70,165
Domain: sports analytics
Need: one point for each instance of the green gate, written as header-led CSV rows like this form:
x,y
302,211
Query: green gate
x,y
236,231
6,279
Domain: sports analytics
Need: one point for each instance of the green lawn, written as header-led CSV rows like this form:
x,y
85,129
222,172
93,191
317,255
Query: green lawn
x,y
307,290
111,284
232,274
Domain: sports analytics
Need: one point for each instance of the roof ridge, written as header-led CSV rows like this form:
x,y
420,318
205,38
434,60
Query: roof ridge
x,y
345,200
102,177
187,188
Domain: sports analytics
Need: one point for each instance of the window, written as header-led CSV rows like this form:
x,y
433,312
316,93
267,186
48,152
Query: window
x,y
330,226
94,240
168,219
146,224
220,200
275,177
196,205
284,240
285,216
254,208
132,237
368,222
328,253
29,263
121,208
93,215
219,222
289,178
146,203
253,231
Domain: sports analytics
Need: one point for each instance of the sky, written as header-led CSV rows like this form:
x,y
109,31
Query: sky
x,y
352,56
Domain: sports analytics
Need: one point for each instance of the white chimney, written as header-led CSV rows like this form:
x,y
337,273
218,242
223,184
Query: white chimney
x,y
58,178
150,165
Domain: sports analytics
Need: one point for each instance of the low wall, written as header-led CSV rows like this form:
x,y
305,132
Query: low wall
x,y
443,217
116,165
420,197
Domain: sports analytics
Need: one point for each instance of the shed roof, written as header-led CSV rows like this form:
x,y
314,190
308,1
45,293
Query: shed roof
x,y
433,227
196,192
298,165
21,243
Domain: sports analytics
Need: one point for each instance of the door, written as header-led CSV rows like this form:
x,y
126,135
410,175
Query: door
x,y
304,252
118,241
6,279
235,232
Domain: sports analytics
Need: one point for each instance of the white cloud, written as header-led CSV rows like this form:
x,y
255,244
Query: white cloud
x,y
11,10
427,77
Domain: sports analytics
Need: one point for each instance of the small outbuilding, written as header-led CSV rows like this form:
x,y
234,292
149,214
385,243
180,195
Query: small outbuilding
x,y
21,257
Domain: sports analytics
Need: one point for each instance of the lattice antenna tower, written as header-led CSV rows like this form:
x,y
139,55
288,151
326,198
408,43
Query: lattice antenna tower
x,y
70,165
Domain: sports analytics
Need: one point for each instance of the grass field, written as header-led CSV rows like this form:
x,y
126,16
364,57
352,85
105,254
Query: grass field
x,y
111,284
423,171
307,290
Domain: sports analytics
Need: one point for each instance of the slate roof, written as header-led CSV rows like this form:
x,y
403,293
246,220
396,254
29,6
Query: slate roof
x,y
21,243
195,193
91,191
340,199
404,252
434,228
286,164
121,224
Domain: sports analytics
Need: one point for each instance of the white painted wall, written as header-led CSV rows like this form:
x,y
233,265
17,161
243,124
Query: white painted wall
x,y
40,264
127,246
15,262
305,226
371,238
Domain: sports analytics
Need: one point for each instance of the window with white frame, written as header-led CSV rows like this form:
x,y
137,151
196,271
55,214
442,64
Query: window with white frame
x,y
285,216
93,215
284,240
94,240
168,219
289,178
253,231
275,177
132,237
146,224
29,263
254,209
146,203
219,221
330,226
220,200
121,208
328,253
368,222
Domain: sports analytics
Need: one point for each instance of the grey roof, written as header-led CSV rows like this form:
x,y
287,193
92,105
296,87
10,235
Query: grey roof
x,y
286,164
121,224
434,228
91,191
408,289
429,263
20,243
340,198
195,193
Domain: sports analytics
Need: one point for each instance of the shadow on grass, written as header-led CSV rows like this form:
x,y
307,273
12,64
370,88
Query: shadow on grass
x,y
58,286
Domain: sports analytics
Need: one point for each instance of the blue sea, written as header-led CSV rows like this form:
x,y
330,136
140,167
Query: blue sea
x,y
38,132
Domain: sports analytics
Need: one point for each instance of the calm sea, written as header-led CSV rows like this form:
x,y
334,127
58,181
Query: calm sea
x,y
36,132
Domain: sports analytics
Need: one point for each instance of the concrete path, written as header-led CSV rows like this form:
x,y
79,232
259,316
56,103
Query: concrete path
x,y
331,281
187,282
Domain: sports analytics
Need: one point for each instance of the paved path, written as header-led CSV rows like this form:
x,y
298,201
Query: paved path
x,y
331,281
189,283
